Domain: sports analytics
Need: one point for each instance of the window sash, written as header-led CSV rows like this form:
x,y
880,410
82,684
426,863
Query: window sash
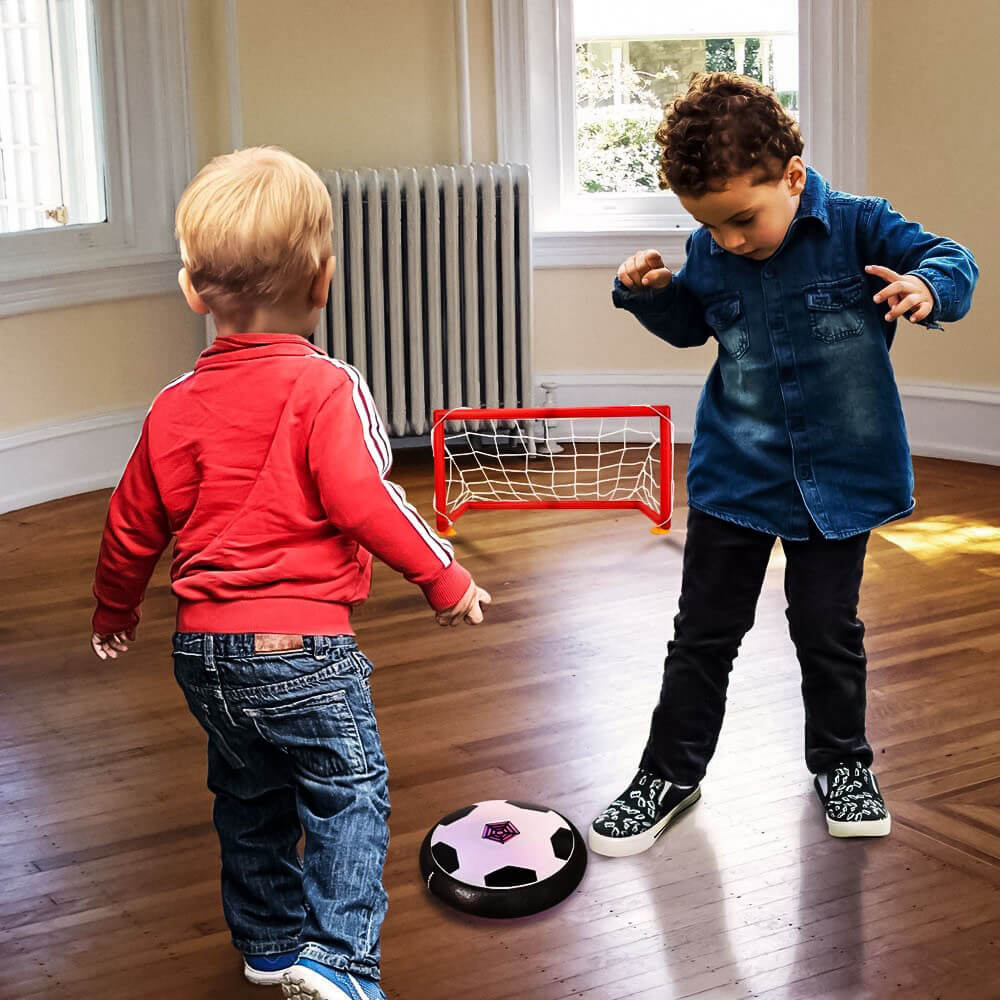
x,y
146,131
534,72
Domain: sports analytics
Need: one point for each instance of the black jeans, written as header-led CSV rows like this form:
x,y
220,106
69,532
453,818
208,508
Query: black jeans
x,y
724,568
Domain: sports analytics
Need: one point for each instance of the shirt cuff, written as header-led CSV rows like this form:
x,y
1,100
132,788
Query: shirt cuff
x,y
930,321
623,297
448,588
107,620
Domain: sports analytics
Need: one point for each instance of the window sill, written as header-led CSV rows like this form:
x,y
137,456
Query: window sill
x,y
118,278
606,247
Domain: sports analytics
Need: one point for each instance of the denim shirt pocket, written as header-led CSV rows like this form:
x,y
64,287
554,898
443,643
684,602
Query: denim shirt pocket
x,y
729,324
835,308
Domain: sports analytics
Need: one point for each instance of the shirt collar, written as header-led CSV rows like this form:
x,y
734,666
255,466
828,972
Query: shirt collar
x,y
255,345
813,204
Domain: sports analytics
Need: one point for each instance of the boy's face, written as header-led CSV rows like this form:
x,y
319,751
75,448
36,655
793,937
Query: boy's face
x,y
750,219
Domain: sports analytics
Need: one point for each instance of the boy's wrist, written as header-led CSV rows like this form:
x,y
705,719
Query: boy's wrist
x,y
621,293
108,620
448,588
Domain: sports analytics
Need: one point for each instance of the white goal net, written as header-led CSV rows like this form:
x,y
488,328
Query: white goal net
x,y
578,459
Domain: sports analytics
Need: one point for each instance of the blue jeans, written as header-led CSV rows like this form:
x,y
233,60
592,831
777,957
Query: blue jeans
x,y
293,747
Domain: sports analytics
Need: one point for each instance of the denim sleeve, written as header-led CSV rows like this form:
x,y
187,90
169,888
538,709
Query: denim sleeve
x,y
947,267
672,313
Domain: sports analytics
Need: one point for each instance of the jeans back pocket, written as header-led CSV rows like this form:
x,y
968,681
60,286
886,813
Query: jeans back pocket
x,y
835,308
318,731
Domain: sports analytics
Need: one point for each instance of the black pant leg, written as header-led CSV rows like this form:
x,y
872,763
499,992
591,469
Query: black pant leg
x,y
822,585
724,567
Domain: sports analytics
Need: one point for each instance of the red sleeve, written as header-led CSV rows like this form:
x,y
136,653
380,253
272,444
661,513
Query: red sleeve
x,y
349,457
135,534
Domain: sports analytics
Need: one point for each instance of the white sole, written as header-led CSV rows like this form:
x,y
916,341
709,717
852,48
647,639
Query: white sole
x,y
259,978
301,983
624,847
860,828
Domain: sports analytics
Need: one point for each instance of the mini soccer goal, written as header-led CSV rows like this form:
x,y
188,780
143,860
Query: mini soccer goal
x,y
592,457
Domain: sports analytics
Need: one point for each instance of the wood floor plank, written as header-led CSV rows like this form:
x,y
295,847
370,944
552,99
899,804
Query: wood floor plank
x,y
110,863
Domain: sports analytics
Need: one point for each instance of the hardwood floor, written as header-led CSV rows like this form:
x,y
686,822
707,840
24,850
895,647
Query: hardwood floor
x,y
109,861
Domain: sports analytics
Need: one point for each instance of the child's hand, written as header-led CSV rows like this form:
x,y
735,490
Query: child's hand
x,y
470,607
904,292
111,645
645,270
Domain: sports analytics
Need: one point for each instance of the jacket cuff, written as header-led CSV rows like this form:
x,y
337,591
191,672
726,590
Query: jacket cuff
x,y
448,588
931,321
107,620
642,298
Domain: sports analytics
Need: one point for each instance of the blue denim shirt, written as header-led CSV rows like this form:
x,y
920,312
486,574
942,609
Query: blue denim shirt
x,y
800,417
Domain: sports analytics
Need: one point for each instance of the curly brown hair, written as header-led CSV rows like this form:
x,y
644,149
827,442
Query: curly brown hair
x,y
726,124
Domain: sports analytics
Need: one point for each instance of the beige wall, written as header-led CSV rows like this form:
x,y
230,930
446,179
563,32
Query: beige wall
x,y
340,86
359,84
65,364
935,153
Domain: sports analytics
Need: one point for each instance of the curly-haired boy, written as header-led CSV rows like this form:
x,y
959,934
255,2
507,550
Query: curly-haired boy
x,y
799,434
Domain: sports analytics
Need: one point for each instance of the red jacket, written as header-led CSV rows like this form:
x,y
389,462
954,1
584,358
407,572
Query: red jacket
x,y
268,463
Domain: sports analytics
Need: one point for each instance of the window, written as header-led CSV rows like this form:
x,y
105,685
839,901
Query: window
x,y
94,149
631,63
51,150
581,86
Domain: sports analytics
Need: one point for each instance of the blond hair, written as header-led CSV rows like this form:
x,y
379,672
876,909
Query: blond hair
x,y
254,228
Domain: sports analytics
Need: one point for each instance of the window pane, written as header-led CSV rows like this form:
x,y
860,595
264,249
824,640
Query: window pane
x,y
633,60
51,151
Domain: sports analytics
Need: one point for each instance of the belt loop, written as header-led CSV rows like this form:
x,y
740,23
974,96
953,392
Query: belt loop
x,y
209,652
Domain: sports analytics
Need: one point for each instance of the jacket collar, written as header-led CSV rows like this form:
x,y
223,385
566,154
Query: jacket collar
x,y
813,204
246,346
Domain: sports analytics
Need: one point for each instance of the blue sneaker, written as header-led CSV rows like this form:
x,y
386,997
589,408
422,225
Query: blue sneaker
x,y
267,970
307,980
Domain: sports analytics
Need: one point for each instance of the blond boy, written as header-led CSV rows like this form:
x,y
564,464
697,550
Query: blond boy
x,y
267,463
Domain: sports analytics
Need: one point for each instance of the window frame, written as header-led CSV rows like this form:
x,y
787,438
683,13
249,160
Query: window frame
x,y
145,119
533,53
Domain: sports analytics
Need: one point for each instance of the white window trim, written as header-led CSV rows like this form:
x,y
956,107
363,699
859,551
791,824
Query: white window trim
x,y
146,128
833,102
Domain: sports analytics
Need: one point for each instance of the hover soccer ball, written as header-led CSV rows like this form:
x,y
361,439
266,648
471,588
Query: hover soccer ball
x,y
503,858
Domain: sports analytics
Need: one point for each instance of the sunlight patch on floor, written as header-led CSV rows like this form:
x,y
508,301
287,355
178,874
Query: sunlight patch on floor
x,y
941,537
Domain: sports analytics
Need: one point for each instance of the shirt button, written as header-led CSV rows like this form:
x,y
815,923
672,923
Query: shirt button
x,y
768,272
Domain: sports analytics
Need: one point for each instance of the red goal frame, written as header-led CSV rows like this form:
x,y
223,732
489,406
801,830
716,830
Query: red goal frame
x,y
660,518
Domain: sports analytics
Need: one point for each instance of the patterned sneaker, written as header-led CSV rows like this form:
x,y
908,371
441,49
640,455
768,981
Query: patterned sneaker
x,y
853,802
631,824
308,980
267,970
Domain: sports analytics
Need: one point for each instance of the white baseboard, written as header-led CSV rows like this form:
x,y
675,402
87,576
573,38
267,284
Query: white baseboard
x,y
59,460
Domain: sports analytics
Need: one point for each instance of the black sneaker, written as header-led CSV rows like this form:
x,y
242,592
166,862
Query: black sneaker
x,y
853,802
631,824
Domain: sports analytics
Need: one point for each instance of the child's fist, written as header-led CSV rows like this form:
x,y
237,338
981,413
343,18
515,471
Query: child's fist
x,y
469,608
645,270
903,293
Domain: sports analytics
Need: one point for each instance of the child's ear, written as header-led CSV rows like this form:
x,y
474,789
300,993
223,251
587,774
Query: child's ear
x,y
795,174
319,291
194,300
